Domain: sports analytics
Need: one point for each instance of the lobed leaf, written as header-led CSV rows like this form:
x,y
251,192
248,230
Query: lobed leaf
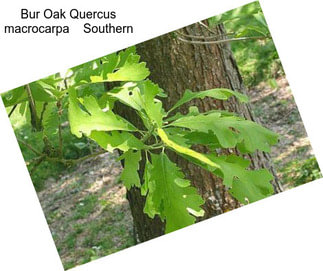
x,y
141,97
169,195
245,185
231,131
129,175
218,93
110,141
93,117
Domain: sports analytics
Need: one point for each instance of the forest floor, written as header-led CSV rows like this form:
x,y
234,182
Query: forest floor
x,y
277,110
87,210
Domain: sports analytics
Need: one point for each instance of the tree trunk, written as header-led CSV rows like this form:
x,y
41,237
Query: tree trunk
x,y
176,66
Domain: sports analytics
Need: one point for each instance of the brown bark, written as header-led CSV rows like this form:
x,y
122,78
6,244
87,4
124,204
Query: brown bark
x,y
176,66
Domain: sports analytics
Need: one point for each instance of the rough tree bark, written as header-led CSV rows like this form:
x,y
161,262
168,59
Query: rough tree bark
x,y
176,66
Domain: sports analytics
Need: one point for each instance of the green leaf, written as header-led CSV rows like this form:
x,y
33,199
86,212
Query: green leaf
x,y
22,109
218,93
110,141
99,70
82,73
125,54
93,118
184,150
14,96
231,131
256,187
51,86
130,175
130,71
200,138
52,81
153,107
245,185
261,19
19,95
181,149
141,97
179,136
50,120
258,29
170,195
40,93
194,111
239,15
109,64
144,187
130,95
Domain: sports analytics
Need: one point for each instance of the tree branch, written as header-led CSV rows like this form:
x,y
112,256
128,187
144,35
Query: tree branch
x,y
30,147
12,110
203,37
207,28
38,161
71,162
33,112
60,136
224,40
43,112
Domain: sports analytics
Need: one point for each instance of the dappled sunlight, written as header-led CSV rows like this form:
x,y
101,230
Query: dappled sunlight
x,y
276,108
299,143
87,210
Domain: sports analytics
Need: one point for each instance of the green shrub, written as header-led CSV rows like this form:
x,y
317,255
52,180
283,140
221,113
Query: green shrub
x,y
301,172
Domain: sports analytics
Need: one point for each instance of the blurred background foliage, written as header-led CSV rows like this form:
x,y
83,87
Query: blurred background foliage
x,y
73,147
256,56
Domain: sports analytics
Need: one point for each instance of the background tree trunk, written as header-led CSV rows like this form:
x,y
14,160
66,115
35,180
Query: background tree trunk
x,y
176,66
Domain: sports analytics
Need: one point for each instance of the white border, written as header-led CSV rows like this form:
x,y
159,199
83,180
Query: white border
x,y
283,232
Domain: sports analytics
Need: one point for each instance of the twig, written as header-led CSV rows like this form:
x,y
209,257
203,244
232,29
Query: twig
x,y
89,156
34,160
65,84
207,28
29,147
43,112
38,162
203,37
33,112
44,157
222,41
147,136
12,110
73,161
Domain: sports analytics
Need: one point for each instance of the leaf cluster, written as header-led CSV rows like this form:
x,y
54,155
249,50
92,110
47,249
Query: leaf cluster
x,y
168,193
